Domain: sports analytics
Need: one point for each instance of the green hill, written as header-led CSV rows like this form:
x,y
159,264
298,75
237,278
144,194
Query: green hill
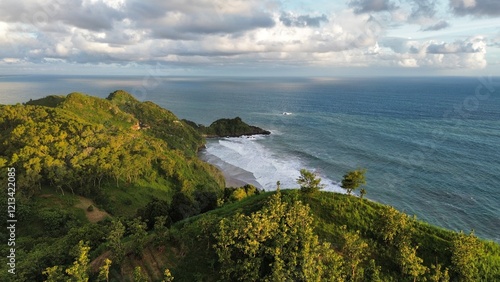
x,y
119,179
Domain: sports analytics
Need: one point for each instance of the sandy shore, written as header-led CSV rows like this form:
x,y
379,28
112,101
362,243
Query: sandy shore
x,y
232,181
235,176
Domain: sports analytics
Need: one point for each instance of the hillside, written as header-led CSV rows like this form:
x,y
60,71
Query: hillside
x,y
111,190
67,147
355,229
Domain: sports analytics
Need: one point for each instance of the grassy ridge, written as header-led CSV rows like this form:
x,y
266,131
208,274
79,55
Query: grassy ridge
x,y
331,212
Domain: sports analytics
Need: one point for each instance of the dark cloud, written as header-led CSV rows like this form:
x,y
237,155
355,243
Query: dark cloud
x,y
303,20
366,6
190,27
437,26
489,8
423,9
189,19
456,47
95,16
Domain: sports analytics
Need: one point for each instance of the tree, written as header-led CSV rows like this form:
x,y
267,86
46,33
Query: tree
x,y
54,274
167,276
396,227
182,207
362,193
353,179
138,234
104,271
410,263
138,275
162,233
152,210
439,274
372,272
115,240
466,251
78,271
354,251
309,182
276,243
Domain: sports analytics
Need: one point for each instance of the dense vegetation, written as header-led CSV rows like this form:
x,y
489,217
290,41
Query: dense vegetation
x,y
111,190
227,128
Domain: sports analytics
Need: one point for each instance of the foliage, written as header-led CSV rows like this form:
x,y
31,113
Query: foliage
x,y
362,193
372,272
396,227
167,276
232,194
182,207
54,274
354,252
82,144
439,275
114,239
309,182
276,243
353,179
154,209
466,253
79,270
138,235
158,122
104,271
411,264
138,275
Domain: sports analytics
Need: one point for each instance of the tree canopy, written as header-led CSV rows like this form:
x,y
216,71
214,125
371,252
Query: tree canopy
x,y
309,182
353,179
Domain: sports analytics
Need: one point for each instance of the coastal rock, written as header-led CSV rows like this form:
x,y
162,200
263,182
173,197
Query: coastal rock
x,y
235,127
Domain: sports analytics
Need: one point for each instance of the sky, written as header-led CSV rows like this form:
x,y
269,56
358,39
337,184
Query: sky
x,y
250,37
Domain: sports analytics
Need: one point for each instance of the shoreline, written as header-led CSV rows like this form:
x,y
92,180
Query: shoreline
x,y
232,181
233,176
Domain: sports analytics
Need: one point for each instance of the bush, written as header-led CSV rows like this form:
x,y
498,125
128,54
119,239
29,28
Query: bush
x,y
90,208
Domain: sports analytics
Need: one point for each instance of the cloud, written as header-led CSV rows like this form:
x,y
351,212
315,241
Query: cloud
x,y
187,19
475,45
469,53
93,15
437,26
422,9
489,8
202,33
366,6
289,19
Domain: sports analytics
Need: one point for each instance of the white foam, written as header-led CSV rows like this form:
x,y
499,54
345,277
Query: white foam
x,y
266,166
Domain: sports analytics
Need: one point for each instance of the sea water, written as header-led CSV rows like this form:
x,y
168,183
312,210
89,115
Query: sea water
x,y
431,146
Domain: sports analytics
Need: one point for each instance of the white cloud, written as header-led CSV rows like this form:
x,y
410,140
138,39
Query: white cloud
x,y
238,33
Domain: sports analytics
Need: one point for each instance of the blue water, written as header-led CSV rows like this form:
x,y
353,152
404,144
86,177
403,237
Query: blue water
x,y
431,146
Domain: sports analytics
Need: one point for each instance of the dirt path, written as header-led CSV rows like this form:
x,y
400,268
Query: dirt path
x,y
93,216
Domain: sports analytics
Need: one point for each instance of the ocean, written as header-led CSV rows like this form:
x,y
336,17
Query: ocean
x,y
431,146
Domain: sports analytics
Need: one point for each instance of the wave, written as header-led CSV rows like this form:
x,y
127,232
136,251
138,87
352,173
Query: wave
x,y
248,160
